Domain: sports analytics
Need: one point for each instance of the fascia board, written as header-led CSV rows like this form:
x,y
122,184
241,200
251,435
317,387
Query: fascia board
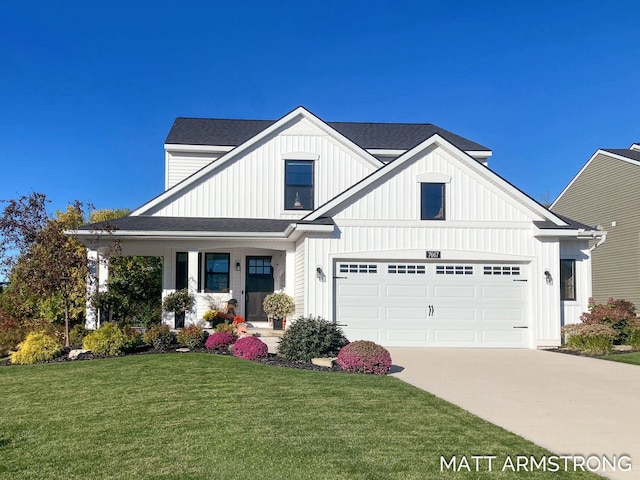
x,y
574,233
479,153
385,151
178,147
179,234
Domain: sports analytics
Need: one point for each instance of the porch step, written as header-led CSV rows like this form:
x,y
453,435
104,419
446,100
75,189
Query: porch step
x,y
265,332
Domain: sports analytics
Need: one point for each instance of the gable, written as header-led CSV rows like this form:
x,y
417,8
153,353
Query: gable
x,y
248,181
473,192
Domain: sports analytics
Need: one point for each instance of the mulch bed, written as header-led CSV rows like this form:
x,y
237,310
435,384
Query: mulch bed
x,y
271,359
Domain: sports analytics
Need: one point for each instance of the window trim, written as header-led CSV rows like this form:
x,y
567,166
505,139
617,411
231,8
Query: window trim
x,y
444,189
563,280
303,208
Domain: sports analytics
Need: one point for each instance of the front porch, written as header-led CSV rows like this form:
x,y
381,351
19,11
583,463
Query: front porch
x,y
213,272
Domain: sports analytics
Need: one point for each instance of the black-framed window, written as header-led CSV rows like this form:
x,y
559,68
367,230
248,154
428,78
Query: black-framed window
x,y
182,270
216,272
567,279
432,201
298,188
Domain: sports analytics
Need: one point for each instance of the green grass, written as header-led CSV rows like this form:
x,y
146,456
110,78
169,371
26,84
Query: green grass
x,y
632,358
201,416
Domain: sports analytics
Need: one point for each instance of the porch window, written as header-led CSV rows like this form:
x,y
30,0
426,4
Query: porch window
x,y
298,189
182,270
432,205
567,279
216,268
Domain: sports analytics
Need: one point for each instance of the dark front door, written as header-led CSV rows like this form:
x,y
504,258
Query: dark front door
x,y
259,284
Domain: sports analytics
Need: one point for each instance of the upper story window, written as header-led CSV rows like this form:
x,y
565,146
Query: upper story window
x,y
567,279
298,189
432,201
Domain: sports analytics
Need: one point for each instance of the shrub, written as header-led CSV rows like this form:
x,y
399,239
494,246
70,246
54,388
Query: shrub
x,y
219,341
363,356
278,305
593,338
192,336
618,314
37,347
250,348
225,327
159,336
634,338
12,333
179,301
106,340
76,335
212,316
134,339
311,337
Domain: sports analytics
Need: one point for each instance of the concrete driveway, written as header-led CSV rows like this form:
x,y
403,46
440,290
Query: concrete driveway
x,y
570,405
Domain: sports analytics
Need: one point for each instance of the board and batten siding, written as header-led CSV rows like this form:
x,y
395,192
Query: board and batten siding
x,y
469,198
603,194
251,185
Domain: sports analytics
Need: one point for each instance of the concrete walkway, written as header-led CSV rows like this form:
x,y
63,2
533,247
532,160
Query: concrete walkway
x,y
568,404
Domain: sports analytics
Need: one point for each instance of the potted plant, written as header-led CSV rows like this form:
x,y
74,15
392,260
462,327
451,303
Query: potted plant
x,y
179,302
277,306
211,316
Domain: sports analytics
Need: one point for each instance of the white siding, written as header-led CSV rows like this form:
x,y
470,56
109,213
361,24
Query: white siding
x,y
182,165
470,197
252,184
577,250
299,289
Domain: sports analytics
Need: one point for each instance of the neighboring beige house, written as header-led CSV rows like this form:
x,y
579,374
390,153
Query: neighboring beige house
x,y
602,194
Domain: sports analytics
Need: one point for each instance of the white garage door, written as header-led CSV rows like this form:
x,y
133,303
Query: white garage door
x,y
433,304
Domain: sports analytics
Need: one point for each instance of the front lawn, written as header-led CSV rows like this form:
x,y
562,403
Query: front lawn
x,y
633,358
202,416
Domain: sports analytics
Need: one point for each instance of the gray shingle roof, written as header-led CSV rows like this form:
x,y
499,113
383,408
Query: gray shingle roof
x,y
623,152
572,224
396,136
197,224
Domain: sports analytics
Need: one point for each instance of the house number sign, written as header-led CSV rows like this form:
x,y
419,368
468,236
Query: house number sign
x,y
433,253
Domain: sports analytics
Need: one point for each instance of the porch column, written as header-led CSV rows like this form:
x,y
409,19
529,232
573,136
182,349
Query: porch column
x,y
192,316
91,317
290,272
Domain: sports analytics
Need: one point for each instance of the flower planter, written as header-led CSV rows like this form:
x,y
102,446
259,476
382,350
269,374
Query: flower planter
x,y
279,323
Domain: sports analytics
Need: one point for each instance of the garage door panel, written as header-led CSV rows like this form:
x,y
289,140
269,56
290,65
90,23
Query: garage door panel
x,y
502,292
359,312
456,314
451,291
371,334
503,315
359,290
406,314
455,336
413,292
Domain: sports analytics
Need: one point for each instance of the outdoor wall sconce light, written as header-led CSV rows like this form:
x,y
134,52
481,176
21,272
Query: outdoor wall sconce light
x,y
547,275
319,273
237,266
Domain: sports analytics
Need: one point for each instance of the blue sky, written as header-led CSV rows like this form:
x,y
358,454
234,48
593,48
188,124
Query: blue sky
x,y
89,90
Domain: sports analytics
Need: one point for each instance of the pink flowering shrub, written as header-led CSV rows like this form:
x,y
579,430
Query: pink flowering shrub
x,y
219,341
363,356
250,348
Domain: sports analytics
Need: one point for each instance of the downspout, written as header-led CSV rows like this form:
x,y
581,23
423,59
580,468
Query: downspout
x,y
602,240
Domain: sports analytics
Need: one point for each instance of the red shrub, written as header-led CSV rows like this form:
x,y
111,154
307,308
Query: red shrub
x,y
363,356
250,348
617,314
219,341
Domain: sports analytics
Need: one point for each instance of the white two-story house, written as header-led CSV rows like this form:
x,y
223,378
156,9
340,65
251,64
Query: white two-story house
x,y
398,232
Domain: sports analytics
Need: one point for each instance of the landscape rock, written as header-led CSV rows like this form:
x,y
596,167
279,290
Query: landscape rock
x,y
77,353
324,362
182,350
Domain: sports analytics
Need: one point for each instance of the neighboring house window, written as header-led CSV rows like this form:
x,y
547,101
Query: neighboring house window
x,y
567,279
216,268
432,205
182,270
298,189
